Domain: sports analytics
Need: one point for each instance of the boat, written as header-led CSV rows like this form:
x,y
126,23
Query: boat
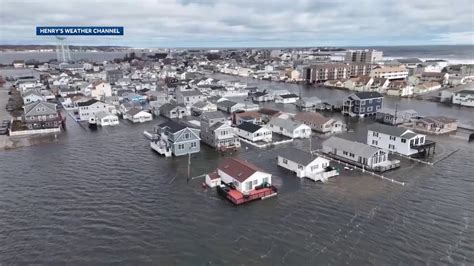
x,y
92,123
150,136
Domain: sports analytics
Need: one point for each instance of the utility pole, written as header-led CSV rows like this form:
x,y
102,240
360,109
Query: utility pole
x,y
396,112
189,167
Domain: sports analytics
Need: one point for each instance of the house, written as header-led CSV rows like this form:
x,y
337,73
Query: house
x,y
113,76
253,132
100,89
32,96
137,115
251,117
173,110
229,106
308,103
441,78
357,153
399,88
90,108
268,113
395,139
189,97
362,104
379,85
395,117
304,164
464,98
106,119
287,98
41,115
289,128
217,132
361,83
320,123
390,72
433,124
19,64
244,176
175,139
203,107
426,87
262,96
212,179
334,83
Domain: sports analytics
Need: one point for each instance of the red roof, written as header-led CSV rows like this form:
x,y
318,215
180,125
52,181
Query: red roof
x,y
239,169
213,175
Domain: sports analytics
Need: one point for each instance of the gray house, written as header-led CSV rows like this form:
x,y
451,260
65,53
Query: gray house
x,y
217,132
175,139
173,110
189,97
362,104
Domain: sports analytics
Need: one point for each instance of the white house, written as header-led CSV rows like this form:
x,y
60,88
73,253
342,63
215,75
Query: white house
x,y
253,132
394,139
320,123
464,98
289,128
304,164
286,98
32,96
213,179
100,89
91,107
137,116
243,175
355,152
106,119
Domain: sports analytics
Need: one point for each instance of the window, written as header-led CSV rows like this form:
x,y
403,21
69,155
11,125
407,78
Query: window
x,y
391,147
393,138
362,109
362,102
186,136
370,101
285,161
255,182
375,134
180,146
300,167
193,145
345,152
374,142
404,141
248,185
351,155
369,109
265,180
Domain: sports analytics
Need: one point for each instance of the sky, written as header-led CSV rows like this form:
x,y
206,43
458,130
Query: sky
x,y
245,23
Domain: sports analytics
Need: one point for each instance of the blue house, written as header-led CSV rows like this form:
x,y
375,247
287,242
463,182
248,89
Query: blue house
x,y
362,104
176,139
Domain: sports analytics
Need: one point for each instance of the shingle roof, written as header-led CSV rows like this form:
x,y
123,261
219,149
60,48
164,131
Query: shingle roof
x,y
285,123
368,95
172,126
238,169
290,95
40,108
357,148
213,115
249,127
388,130
297,155
190,93
313,118
87,103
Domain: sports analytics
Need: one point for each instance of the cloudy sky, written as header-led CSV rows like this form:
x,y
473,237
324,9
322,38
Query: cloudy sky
x,y
245,23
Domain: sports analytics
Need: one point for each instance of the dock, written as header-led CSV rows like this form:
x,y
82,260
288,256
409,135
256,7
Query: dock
x,y
237,198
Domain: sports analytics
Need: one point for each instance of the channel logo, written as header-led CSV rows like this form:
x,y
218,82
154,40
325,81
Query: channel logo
x,y
79,30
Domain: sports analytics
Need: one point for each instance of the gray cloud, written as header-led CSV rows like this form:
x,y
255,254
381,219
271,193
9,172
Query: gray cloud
x,y
165,23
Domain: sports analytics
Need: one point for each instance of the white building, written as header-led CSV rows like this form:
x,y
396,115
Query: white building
x,y
304,164
464,98
253,132
286,98
106,119
90,108
100,89
244,175
394,139
390,72
137,116
289,128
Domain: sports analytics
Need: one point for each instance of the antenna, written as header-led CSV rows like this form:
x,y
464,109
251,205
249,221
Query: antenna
x,y
62,50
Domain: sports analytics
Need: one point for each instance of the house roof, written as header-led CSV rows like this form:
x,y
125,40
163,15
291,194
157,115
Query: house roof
x,y
87,103
103,114
133,111
389,130
465,92
358,148
285,123
288,96
238,169
213,115
441,119
249,127
313,118
172,126
226,103
297,155
40,108
269,112
190,93
368,95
